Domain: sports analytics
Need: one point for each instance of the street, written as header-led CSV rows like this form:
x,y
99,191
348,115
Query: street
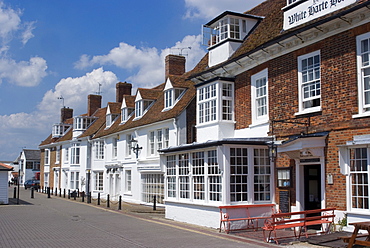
x,y
59,222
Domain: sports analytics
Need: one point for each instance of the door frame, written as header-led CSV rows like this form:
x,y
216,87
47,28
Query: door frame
x,y
300,183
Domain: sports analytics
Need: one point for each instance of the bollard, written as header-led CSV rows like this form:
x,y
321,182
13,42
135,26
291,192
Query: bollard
x,y
83,198
48,191
120,203
64,193
15,193
99,198
60,192
56,192
32,192
78,193
74,195
155,203
89,197
108,201
69,194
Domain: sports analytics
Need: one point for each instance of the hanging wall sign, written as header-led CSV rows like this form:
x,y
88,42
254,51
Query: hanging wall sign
x,y
312,9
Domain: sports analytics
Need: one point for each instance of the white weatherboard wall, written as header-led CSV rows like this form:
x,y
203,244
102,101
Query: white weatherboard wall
x,y
4,187
208,216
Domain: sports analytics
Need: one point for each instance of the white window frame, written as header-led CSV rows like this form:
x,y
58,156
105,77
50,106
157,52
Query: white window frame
x,y
99,149
99,180
212,103
114,147
355,171
128,181
194,177
129,137
158,139
363,108
227,101
141,106
75,154
57,155
259,94
47,157
171,97
74,180
126,113
302,84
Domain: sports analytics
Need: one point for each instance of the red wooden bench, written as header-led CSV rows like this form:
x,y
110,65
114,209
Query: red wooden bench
x,y
247,215
298,221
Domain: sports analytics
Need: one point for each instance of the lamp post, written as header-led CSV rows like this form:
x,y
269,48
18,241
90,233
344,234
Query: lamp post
x,y
88,186
272,150
135,147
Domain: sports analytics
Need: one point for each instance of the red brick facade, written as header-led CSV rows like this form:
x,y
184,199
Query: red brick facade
x,y
339,102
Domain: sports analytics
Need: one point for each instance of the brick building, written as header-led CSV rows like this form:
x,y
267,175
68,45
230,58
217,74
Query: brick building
x,y
298,73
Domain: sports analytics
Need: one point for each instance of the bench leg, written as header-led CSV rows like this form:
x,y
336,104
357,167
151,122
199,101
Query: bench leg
x,y
266,237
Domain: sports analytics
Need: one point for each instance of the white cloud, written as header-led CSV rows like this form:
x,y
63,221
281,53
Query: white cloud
x,y
27,129
209,9
23,73
75,91
145,64
27,33
9,21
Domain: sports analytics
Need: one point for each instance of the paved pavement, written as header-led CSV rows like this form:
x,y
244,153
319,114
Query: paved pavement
x,y
61,222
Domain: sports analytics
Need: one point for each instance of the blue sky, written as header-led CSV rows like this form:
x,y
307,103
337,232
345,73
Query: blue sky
x,y
51,49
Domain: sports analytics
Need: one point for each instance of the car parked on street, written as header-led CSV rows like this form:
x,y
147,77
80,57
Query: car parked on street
x,y
32,184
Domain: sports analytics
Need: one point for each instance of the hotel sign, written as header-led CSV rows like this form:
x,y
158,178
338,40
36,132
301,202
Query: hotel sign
x,y
312,9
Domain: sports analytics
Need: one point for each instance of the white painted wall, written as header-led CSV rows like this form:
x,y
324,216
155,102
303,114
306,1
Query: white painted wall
x,y
4,187
207,216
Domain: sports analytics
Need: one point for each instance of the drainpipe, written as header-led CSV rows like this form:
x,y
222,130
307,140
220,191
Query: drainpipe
x,y
177,131
88,168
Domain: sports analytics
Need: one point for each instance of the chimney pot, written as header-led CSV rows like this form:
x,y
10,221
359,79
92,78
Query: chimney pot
x,y
65,113
94,103
122,89
175,65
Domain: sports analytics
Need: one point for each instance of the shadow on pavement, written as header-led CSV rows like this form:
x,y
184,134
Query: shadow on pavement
x,y
13,201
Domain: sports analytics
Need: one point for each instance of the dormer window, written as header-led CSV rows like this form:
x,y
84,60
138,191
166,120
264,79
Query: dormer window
x,y
60,129
110,118
224,34
126,114
141,106
172,96
82,122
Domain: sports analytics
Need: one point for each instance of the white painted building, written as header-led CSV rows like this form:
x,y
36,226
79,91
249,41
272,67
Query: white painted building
x,y
4,169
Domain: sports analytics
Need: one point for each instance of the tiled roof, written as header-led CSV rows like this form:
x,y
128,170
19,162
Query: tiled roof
x,y
130,101
150,94
4,167
115,107
98,124
155,113
270,29
32,154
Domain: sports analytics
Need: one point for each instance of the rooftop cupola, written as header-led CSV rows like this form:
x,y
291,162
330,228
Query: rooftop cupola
x,y
224,34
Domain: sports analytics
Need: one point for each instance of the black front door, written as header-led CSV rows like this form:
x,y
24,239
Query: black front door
x,y
312,187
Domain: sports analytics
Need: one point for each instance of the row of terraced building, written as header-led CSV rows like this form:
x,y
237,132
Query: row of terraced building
x,y
277,111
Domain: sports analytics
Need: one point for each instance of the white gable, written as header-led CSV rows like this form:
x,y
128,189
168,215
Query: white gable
x,y
108,110
138,96
168,85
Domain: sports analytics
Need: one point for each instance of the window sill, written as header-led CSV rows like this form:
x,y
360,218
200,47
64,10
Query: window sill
x,y
308,111
365,114
259,123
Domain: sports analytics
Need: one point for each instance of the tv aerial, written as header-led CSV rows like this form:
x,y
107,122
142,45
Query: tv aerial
x,y
61,98
181,50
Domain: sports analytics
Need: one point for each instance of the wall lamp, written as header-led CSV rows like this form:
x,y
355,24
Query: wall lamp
x,y
135,147
272,150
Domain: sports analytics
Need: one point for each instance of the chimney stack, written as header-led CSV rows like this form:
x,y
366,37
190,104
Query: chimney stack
x,y
65,113
122,89
175,65
93,104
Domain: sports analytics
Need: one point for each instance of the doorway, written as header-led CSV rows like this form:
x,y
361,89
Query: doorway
x,y
312,186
